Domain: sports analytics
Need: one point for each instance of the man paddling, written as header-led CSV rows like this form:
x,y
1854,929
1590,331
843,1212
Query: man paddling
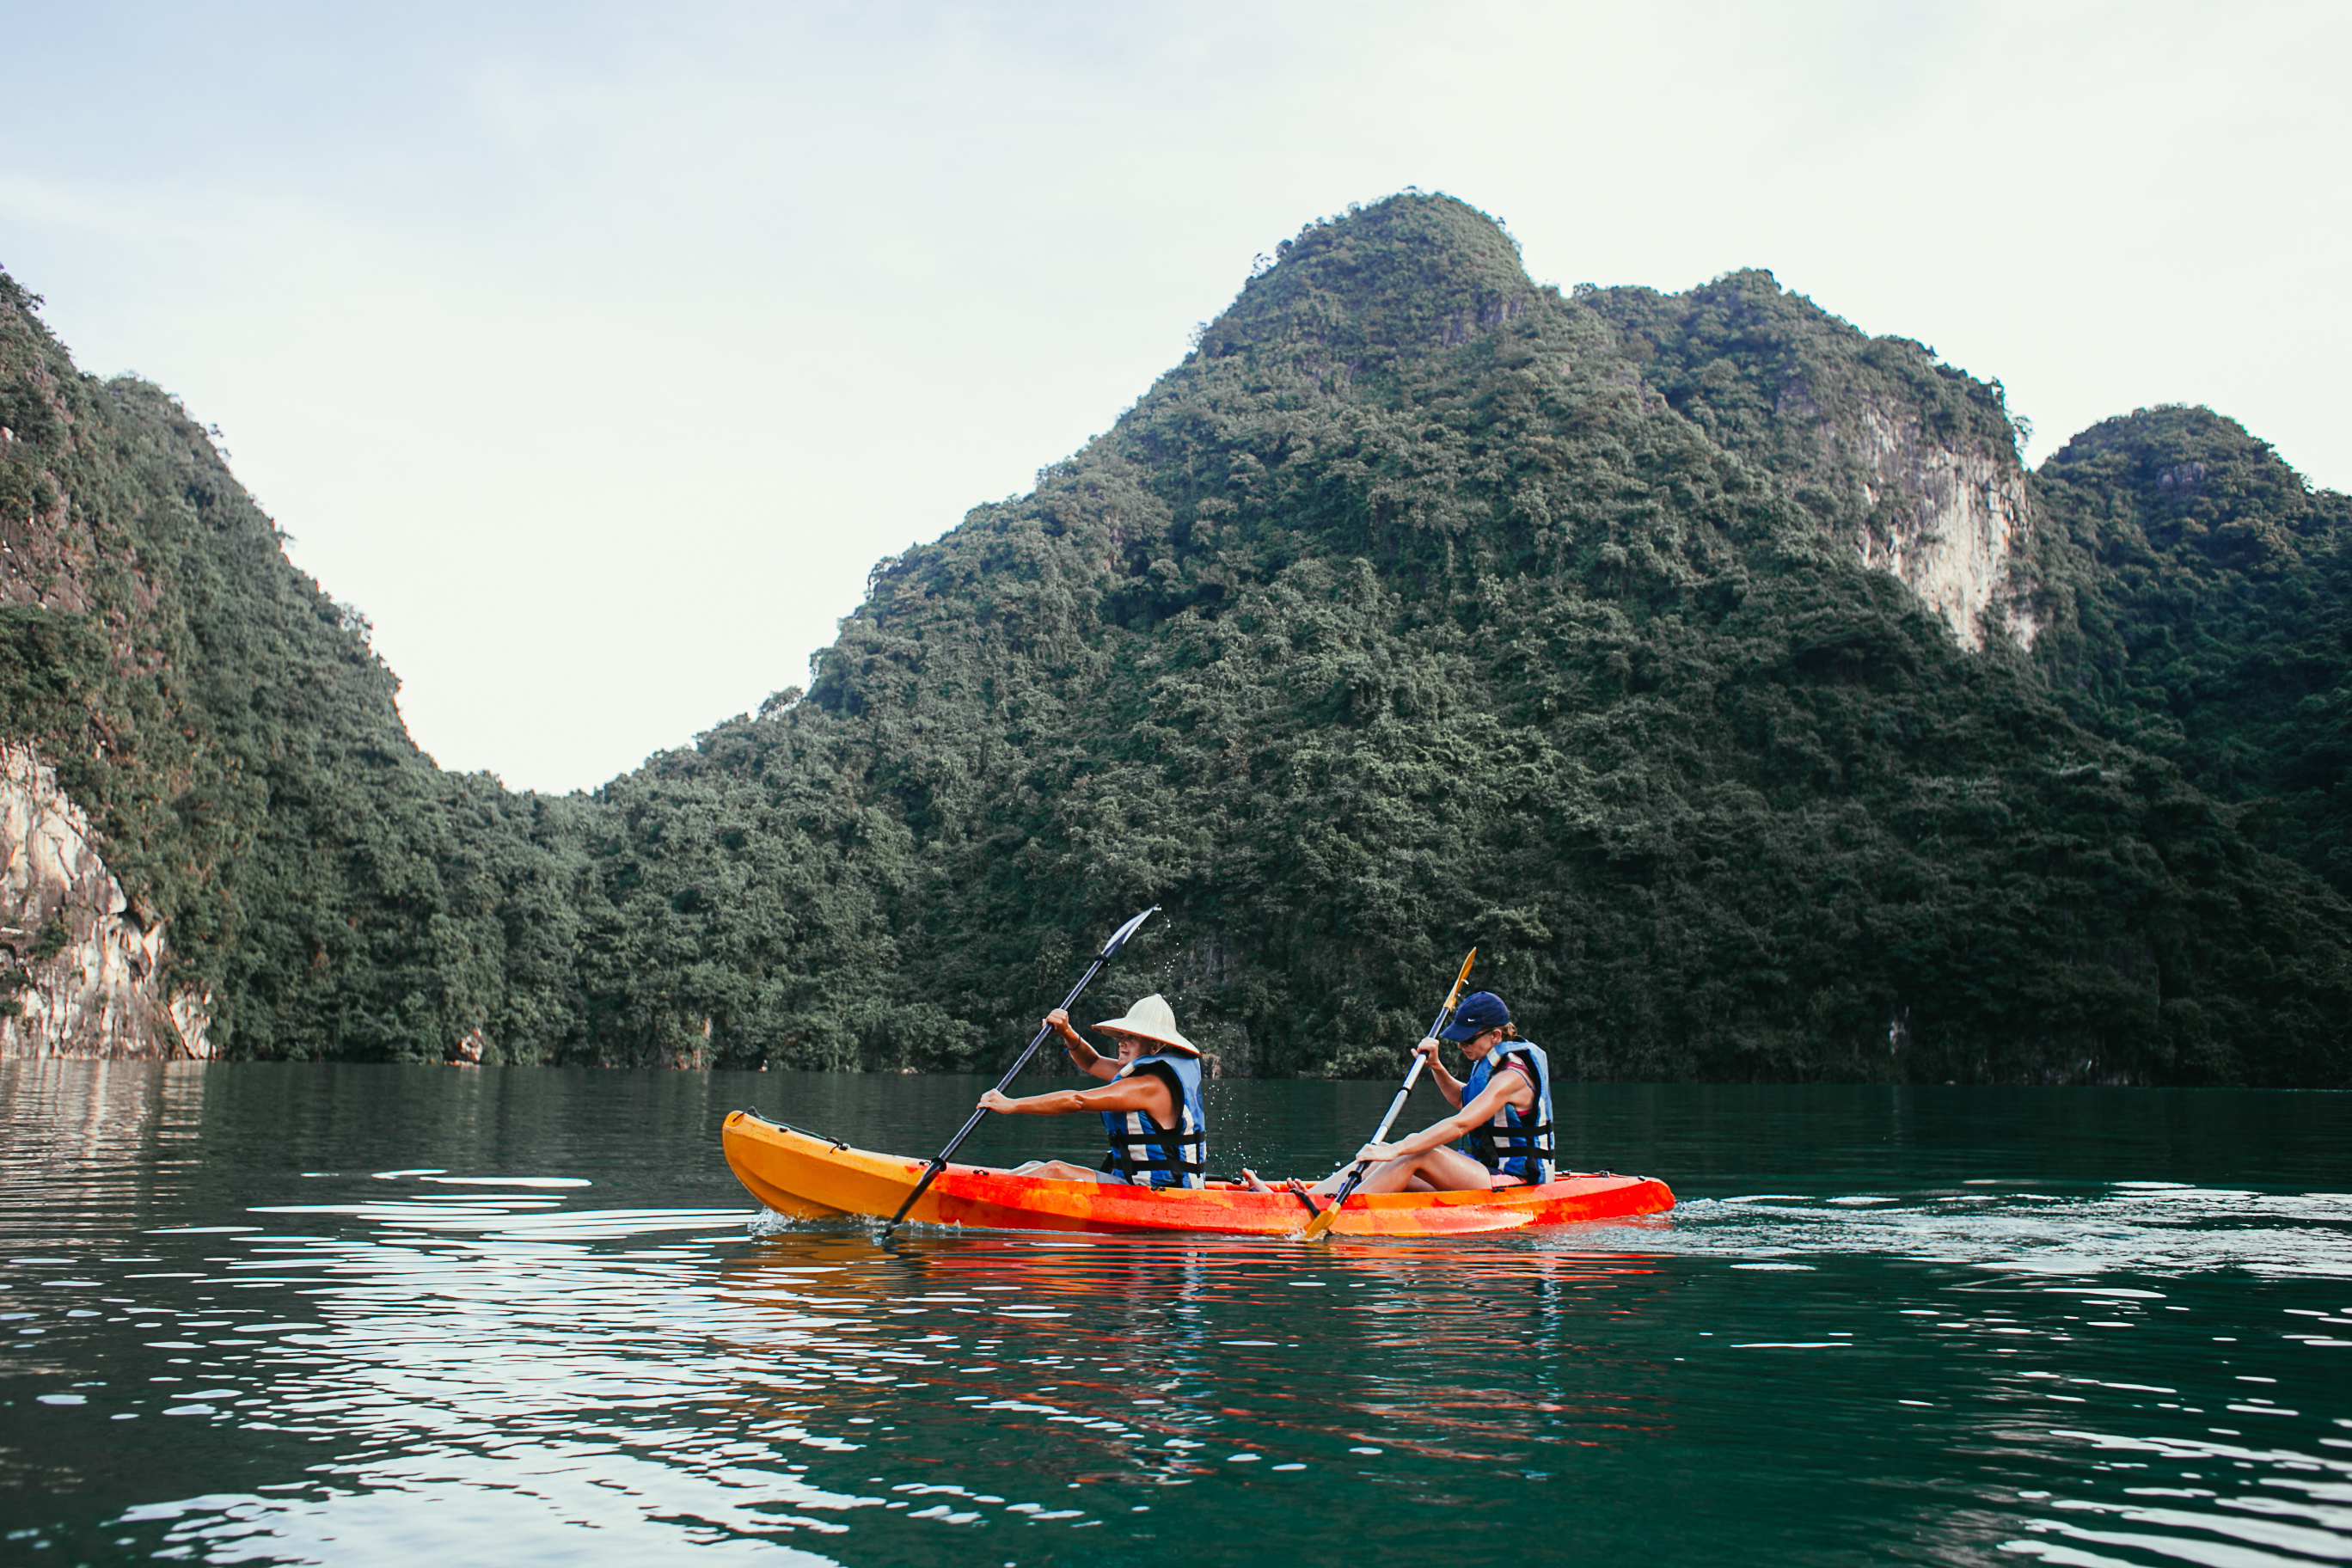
x,y
1151,1112
1503,1124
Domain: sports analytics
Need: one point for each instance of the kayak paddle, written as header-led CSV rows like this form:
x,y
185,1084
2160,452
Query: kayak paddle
x,y
940,1163
1323,1222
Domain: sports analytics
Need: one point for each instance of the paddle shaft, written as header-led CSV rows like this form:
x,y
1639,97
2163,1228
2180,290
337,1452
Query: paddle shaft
x,y
939,1161
1411,1077
1404,1093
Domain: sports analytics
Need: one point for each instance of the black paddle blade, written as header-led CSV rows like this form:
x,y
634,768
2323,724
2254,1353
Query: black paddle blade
x,y
1118,938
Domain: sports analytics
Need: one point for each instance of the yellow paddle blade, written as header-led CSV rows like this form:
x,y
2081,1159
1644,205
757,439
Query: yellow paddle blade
x,y
1319,1224
1461,980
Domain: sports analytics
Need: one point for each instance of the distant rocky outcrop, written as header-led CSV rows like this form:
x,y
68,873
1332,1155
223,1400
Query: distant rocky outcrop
x,y
84,975
1948,518
1911,462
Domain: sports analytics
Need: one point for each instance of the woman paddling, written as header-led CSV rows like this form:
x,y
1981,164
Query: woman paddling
x,y
1505,1120
1150,1108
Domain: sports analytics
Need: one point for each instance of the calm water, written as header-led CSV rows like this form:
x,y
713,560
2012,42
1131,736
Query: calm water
x,y
382,1315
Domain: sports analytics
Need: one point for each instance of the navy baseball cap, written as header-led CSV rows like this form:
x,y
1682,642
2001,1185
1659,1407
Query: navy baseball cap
x,y
1480,1010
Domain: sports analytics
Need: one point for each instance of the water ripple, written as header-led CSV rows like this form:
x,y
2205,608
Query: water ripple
x,y
2178,1229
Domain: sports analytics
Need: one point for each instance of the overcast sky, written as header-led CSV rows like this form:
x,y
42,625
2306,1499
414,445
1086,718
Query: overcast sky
x,y
597,352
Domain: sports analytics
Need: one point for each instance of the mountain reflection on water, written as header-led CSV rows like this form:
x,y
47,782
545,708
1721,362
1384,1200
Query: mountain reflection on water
x,y
266,1314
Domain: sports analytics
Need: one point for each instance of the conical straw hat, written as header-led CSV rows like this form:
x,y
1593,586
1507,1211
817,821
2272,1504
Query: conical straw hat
x,y
1154,1020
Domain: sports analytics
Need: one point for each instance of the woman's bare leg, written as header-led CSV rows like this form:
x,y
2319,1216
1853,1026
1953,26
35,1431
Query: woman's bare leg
x,y
1438,1170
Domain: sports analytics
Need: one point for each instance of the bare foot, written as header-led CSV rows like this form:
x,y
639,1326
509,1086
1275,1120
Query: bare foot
x,y
1250,1180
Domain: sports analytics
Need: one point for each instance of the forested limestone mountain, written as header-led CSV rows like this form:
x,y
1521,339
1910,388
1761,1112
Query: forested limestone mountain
x,y
291,876
1714,668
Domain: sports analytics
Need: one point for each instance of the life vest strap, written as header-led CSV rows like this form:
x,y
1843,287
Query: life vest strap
x,y
1123,1158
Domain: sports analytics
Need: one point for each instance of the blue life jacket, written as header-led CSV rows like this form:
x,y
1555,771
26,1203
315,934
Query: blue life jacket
x,y
1516,1142
1148,1154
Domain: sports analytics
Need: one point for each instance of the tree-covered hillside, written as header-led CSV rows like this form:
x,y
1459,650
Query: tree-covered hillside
x,y
234,740
1418,607
2213,590
1413,611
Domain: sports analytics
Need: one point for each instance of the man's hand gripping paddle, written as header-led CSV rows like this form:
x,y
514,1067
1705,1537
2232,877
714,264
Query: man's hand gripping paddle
x,y
1323,1222
939,1161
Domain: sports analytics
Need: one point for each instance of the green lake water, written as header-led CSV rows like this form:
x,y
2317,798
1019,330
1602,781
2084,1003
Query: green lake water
x,y
382,1315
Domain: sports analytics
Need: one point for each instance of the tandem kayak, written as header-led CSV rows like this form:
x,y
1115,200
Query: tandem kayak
x,y
810,1177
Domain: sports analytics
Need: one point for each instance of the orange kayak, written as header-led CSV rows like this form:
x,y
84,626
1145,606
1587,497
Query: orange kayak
x,y
809,1177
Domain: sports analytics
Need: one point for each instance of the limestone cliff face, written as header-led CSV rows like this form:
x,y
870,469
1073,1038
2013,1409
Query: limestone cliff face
x,y
1948,516
1908,459
83,974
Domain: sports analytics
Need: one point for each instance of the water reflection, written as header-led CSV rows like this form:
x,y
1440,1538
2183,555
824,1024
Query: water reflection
x,y
472,1318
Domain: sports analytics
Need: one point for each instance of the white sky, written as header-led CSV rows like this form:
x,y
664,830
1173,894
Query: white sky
x,y
596,351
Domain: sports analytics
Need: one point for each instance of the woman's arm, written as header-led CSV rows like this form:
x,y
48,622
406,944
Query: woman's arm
x,y
1447,1084
1084,1055
1512,1089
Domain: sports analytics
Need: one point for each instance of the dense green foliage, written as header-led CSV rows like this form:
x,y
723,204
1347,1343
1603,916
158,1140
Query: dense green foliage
x,y
1771,377
2214,619
1418,607
236,742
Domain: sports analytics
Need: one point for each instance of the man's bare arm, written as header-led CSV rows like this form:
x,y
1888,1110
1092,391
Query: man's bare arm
x,y
1082,1053
1143,1093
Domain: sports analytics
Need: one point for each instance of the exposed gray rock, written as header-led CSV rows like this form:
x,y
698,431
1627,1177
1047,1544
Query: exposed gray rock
x,y
1948,518
84,977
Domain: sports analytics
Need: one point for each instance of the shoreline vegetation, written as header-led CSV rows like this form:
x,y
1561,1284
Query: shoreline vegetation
x,y
1714,669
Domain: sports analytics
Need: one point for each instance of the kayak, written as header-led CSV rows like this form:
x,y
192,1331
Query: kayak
x,y
806,1176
